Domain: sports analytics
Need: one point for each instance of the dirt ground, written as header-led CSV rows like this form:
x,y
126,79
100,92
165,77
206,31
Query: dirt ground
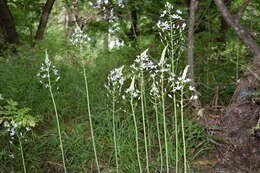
x,y
237,146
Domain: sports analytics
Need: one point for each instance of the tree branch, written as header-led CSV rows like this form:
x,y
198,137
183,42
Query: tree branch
x,y
240,30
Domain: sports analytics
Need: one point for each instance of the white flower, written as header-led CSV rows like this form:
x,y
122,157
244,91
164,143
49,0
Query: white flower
x,y
168,6
179,11
28,129
58,78
79,37
186,80
191,88
194,97
12,132
176,16
183,26
115,80
120,3
163,13
154,90
134,92
164,25
6,124
142,62
11,155
132,86
172,77
47,70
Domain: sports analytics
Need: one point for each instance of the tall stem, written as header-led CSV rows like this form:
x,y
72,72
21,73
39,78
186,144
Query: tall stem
x,y
164,126
176,132
21,150
57,121
183,133
143,117
158,134
136,136
114,132
90,120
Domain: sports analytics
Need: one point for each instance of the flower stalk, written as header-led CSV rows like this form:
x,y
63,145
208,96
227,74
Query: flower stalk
x,y
22,154
57,120
90,121
143,119
114,132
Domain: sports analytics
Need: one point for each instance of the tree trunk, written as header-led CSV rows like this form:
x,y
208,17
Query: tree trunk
x,y
71,18
190,58
134,21
134,25
249,78
44,19
7,24
107,15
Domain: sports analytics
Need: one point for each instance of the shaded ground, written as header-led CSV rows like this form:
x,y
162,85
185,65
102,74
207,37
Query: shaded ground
x,y
237,148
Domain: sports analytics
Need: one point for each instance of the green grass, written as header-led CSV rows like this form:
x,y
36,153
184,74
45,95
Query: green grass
x,y
19,82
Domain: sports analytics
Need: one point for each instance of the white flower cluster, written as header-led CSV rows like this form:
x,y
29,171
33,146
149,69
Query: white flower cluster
x,y
115,80
142,62
169,18
13,126
154,91
132,90
79,37
45,70
120,3
179,83
159,76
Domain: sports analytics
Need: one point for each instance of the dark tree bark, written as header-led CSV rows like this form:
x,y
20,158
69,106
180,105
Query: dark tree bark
x,y
190,58
134,23
7,24
44,19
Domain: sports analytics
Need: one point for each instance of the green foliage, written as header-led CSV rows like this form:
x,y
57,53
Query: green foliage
x,y
10,112
220,58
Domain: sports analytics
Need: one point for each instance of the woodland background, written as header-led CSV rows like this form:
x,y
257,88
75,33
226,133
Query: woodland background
x,y
218,39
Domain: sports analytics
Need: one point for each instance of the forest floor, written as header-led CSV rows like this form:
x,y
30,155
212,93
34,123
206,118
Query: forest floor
x,y
236,147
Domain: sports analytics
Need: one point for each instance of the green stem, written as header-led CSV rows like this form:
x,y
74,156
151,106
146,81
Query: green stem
x,y
21,150
114,132
176,132
183,133
90,120
136,136
158,134
164,126
143,117
172,50
57,122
